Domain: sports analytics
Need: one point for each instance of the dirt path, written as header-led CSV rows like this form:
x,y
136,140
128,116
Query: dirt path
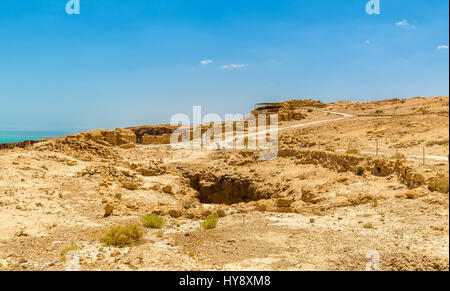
x,y
229,142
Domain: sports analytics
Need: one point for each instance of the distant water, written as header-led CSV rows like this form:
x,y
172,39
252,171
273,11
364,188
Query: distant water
x,y
9,136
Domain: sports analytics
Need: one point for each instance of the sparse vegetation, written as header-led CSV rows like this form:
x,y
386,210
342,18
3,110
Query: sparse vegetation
x,y
121,236
306,175
68,249
210,222
153,221
399,156
330,149
352,152
314,184
439,183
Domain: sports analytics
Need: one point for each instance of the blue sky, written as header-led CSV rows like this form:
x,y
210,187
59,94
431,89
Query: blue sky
x,y
125,63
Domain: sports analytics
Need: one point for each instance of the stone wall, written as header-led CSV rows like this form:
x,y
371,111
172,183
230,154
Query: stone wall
x,y
119,137
359,165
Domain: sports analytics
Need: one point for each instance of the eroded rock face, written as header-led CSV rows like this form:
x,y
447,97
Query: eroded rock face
x,y
222,188
21,144
80,147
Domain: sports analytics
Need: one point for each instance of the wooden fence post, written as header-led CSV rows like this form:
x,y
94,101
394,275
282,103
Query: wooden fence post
x,y
424,156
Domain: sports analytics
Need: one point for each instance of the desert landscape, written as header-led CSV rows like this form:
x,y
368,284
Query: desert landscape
x,y
350,179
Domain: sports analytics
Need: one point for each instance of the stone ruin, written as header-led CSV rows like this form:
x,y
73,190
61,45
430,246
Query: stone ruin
x,y
287,111
124,138
159,134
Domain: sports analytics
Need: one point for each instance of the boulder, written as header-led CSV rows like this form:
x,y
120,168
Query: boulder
x,y
109,208
167,189
284,202
176,211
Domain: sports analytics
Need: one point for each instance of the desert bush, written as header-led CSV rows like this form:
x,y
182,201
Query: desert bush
x,y
153,221
66,250
368,226
306,175
210,222
399,156
121,236
439,183
330,149
352,152
159,233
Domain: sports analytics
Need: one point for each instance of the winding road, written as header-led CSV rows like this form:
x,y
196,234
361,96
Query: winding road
x,y
229,142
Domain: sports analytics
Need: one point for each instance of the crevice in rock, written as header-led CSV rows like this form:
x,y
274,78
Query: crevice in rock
x,y
225,188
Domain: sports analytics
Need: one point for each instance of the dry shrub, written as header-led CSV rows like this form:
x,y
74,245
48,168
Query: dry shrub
x,y
153,221
399,156
352,152
210,222
121,236
330,149
68,249
306,175
439,183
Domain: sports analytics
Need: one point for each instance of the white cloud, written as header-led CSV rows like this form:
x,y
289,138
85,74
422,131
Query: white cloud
x,y
367,42
206,62
404,22
442,47
233,66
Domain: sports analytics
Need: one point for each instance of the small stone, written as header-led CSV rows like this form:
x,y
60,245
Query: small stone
x,y
147,172
284,202
21,233
221,212
175,212
167,189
